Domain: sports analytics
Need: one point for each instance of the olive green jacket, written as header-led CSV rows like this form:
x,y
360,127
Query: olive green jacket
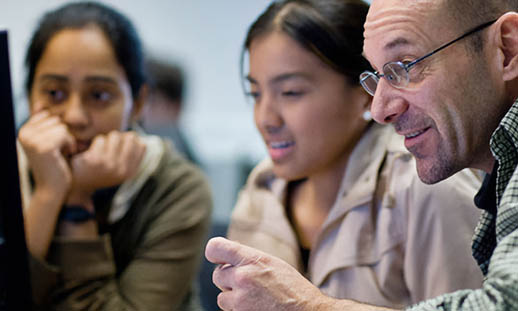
x,y
145,260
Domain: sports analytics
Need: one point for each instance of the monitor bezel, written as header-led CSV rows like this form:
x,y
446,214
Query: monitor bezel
x,y
15,259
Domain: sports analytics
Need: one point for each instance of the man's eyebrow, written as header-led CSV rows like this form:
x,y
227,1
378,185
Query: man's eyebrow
x,y
396,43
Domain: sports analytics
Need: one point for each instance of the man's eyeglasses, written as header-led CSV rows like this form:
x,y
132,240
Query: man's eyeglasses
x,y
396,73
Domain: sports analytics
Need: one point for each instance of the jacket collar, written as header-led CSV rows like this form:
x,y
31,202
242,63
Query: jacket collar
x,y
358,187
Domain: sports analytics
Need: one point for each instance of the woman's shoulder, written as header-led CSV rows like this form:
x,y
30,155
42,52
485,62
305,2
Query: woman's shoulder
x,y
175,179
173,165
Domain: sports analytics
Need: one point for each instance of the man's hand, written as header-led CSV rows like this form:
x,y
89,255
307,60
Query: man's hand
x,y
252,280
110,160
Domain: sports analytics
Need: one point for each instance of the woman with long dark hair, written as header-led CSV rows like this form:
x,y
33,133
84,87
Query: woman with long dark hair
x,y
115,219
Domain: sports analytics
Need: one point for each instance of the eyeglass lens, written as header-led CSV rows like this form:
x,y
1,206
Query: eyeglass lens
x,y
369,81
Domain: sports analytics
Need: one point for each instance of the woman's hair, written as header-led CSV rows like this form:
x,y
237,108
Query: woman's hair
x,y
330,29
116,27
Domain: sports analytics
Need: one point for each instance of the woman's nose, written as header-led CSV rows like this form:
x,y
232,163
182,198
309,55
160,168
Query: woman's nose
x,y
267,115
75,113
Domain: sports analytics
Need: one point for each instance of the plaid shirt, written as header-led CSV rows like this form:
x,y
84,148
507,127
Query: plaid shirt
x,y
495,243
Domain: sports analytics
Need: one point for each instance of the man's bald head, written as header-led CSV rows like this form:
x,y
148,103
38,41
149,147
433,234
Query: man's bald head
x,y
466,14
469,13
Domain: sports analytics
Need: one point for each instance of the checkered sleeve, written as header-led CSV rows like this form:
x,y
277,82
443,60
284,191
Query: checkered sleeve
x,y
499,291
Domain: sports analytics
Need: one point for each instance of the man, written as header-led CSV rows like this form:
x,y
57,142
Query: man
x,y
453,100
162,112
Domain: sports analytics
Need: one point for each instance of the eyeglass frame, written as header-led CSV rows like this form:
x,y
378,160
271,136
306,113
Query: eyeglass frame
x,y
409,65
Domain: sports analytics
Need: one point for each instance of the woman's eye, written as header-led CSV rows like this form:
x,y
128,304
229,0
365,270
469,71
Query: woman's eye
x,y
55,95
292,93
253,96
101,96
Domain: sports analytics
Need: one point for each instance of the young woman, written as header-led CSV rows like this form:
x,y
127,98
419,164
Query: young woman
x,y
339,198
115,220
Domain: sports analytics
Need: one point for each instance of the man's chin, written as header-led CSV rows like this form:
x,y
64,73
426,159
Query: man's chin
x,y
431,173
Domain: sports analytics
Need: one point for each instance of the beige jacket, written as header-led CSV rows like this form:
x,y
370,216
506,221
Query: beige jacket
x,y
388,240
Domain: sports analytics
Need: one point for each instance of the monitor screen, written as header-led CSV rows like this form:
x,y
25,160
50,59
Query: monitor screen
x,y
15,293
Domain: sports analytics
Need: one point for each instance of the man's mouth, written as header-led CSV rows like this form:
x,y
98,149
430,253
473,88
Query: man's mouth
x,y
415,134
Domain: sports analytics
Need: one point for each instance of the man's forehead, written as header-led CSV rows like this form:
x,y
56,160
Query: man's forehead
x,y
393,11
395,23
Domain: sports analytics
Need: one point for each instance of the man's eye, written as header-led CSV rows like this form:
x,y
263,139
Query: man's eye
x,y
390,77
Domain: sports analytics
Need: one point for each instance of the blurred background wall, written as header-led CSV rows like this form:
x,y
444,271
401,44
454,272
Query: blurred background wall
x,y
204,37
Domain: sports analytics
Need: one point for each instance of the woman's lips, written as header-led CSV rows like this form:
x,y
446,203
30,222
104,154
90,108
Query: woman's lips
x,y
280,150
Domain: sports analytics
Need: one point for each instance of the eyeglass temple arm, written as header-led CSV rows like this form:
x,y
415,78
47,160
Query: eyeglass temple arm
x,y
479,27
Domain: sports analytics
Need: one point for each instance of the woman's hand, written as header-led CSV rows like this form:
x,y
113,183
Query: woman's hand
x,y
110,160
45,140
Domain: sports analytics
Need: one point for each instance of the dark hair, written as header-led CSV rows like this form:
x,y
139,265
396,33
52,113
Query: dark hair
x,y
331,29
165,78
117,28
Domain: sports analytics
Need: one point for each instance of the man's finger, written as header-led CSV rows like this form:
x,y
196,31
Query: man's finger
x,y
222,251
221,277
225,300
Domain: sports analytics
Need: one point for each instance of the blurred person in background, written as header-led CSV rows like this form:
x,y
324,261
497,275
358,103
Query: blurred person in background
x,y
161,114
114,219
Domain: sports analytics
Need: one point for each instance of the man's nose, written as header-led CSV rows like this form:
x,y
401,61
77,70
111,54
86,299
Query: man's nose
x,y
387,104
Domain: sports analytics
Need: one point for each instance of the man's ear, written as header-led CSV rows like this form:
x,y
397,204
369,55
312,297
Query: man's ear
x,y
139,102
507,32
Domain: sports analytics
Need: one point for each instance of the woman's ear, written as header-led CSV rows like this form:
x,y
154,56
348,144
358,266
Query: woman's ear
x,y
139,102
362,98
507,40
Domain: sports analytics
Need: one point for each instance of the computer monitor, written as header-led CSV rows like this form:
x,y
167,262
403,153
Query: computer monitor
x,y
15,290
